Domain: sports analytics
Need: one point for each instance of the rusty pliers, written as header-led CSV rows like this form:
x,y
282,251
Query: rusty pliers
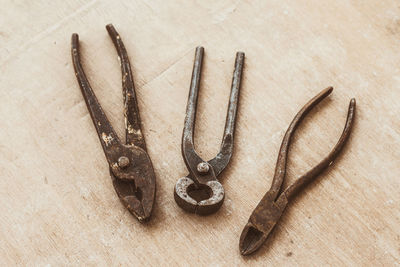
x,y
200,192
131,169
271,207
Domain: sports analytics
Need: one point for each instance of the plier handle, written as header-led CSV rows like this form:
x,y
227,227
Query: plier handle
x,y
130,166
271,207
202,178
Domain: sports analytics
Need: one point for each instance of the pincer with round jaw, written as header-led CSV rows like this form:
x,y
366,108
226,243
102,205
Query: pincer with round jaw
x,y
200,192
207,206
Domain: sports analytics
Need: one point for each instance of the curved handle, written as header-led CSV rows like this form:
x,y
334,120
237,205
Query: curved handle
x,y
326,162
134,135
106,133
280,169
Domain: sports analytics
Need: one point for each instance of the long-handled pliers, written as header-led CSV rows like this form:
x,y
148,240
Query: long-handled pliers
x,y
130,165
271,207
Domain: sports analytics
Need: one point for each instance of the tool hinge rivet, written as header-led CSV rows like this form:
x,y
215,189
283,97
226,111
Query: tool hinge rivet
x,y
123,162
203,167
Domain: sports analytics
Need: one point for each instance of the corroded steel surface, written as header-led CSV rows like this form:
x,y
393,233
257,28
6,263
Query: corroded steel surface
x,y
130,166
271,207
202,177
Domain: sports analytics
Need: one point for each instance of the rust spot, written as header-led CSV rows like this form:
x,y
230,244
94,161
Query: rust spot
x,y
205,194
133,183
107,138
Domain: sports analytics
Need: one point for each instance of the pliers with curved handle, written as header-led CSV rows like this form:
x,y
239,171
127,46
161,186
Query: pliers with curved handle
x,y
131,169
271,207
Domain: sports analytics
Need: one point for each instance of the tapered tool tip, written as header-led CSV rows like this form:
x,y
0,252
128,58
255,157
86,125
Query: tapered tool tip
x,y
251,239
329,89
74,38
240,58
199,49
75,45
109,26
137,209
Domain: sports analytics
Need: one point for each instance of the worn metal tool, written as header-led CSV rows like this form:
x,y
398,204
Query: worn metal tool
x,y
267,213
200,192
130,166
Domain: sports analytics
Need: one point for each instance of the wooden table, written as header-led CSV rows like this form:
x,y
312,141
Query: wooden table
x,y
58,205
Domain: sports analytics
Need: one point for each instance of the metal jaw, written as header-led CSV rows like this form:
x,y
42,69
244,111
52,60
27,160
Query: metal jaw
x,y
271,207
130,166
202,177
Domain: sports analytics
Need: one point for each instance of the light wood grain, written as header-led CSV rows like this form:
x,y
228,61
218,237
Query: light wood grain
x,y
58,205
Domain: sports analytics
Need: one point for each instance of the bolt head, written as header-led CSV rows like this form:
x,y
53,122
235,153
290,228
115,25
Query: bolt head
x,y
123,162
203,167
